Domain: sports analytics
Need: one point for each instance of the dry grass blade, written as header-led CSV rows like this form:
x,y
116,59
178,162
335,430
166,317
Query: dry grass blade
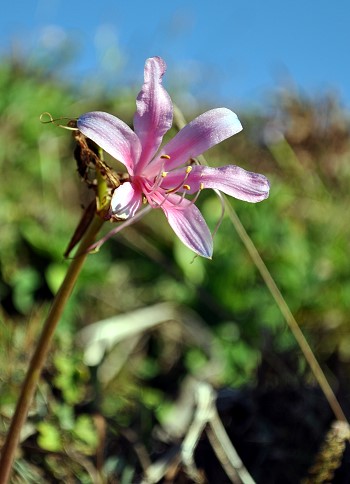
x,y
205,399
205,418
100,337
225,451
110,342
161,467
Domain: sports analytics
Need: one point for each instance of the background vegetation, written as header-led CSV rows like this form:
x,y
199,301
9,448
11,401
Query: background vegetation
x,y
146,321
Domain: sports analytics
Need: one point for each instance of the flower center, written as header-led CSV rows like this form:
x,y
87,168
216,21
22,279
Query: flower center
x,y
157,195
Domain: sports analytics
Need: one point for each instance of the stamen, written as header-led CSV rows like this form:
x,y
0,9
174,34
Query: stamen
x,y
161,174
161,194
158,179
155,204
181,185
183,194
201,187
193,201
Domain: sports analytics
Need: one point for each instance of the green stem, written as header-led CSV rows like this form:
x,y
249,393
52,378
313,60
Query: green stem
x,y
288,315
42,349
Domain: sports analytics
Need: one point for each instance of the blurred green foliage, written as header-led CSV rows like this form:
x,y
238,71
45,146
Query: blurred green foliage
x,y
302,232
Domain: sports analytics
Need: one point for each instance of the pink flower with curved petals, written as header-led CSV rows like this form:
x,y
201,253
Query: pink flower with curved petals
x,y
163,177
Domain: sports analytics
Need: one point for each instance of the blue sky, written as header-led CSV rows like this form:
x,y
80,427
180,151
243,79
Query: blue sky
x,y
222,51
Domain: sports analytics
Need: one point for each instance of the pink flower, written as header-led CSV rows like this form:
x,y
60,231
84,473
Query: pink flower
x,y
162,178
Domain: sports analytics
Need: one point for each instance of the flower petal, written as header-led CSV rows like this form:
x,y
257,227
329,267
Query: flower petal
x,y
189,225
113,136
198,136
154,114
231,179
126,200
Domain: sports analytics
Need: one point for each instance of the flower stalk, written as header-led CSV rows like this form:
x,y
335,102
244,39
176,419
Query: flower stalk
x,y
40,355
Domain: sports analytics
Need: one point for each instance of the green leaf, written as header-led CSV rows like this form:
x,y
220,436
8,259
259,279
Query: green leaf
x,y
49,437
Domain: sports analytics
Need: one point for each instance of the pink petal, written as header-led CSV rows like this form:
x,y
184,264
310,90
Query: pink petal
x,y
154,114
231,179
126,200
198,136
113,136
189,225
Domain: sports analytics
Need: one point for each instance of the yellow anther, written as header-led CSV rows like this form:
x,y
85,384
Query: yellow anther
x,y
201,186
165,157
186,187
188,169
164,174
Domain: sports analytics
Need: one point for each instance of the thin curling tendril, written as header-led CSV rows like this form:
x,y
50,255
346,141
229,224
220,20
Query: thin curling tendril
x,y
54,121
